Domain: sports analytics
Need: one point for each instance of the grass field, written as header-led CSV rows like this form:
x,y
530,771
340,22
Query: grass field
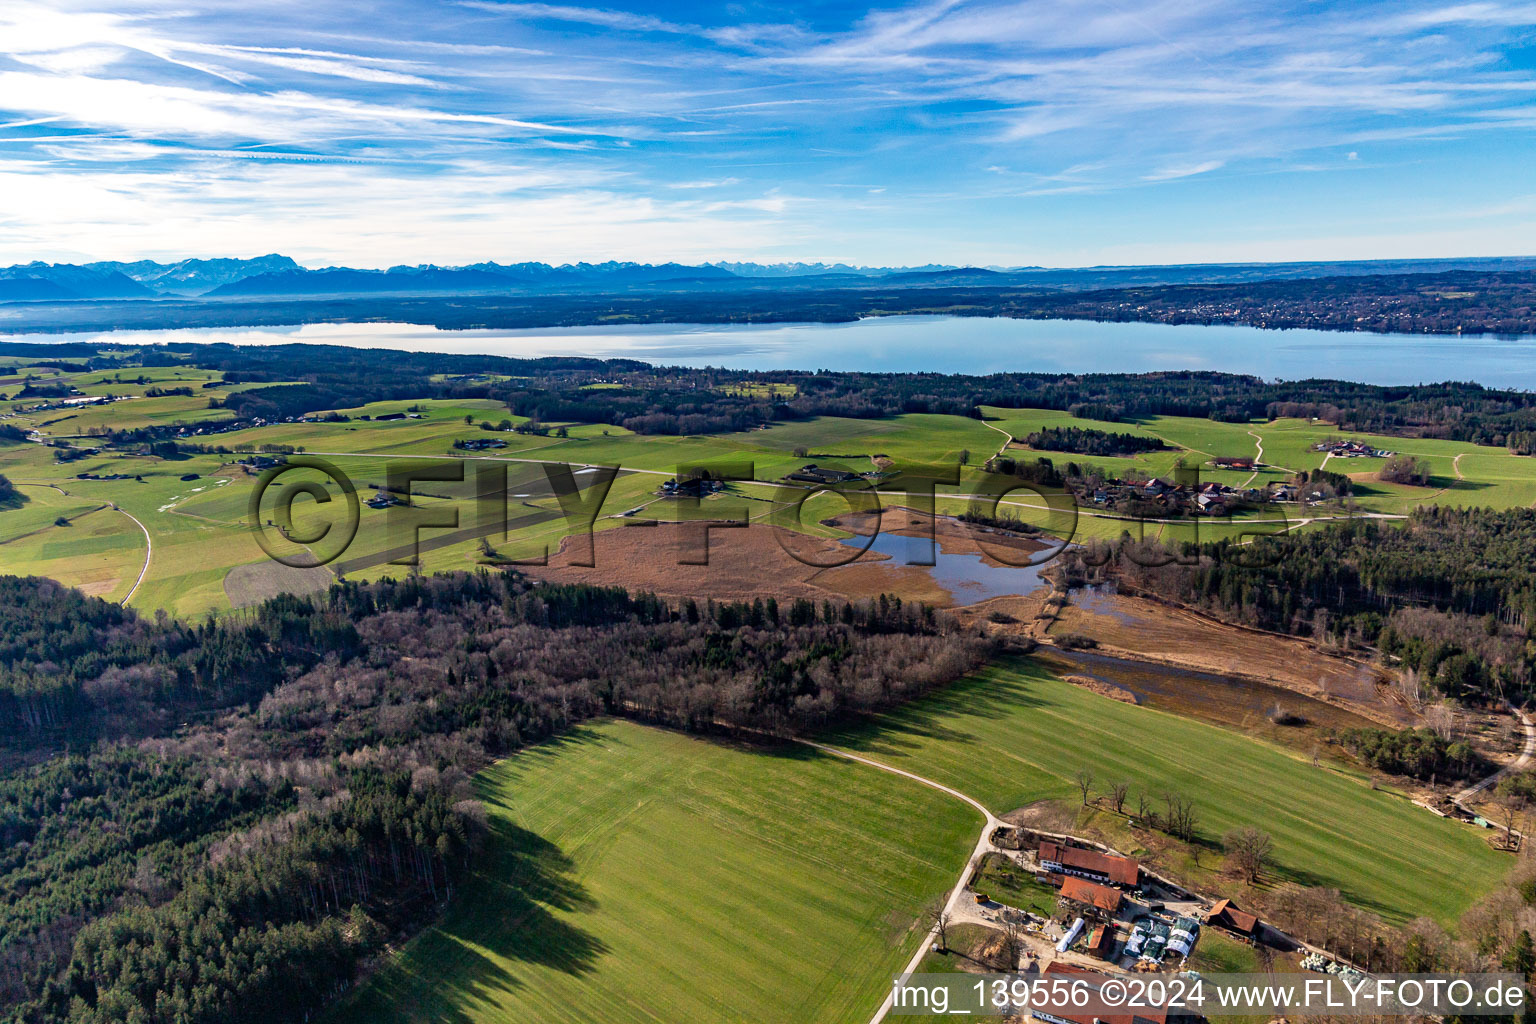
x,y
1015,734
200,536
1483,476
1003,880
91,548
640,875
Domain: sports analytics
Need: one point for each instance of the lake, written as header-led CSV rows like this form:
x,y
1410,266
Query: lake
x,y
977,345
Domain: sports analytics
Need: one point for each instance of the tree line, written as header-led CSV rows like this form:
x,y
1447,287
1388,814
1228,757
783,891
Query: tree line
x,y
1089,441
291,381
1417,753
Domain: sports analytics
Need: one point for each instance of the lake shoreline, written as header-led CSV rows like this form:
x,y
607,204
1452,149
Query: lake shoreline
x,y
974,345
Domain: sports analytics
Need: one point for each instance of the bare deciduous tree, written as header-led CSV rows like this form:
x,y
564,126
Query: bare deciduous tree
x,y
1117,795
1510,804
1084,783
1408,683
1250,849
1012,946
1442,720
1181,819
939,919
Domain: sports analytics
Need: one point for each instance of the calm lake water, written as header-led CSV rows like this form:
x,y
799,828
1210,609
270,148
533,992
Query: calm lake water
x,y
943,344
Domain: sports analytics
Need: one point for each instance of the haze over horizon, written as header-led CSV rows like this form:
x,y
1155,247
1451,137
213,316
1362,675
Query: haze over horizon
x,y
968,133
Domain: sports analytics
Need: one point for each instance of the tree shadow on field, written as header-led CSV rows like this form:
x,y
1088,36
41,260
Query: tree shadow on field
x,y
1305,879
541,754
940,716
509,915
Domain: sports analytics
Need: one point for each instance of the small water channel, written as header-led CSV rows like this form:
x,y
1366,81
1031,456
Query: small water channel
x,y
1223,698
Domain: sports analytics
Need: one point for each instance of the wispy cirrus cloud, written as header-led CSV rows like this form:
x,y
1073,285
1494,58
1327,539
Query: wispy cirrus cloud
x,y
599,16
955,116
1185,171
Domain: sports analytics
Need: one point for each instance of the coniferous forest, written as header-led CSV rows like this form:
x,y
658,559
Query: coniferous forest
x,y
1449,595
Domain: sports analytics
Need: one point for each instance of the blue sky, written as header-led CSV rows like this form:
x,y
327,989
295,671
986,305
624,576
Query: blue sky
x,y
1055,132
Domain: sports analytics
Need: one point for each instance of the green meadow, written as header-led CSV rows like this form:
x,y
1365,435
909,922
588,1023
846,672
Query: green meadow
x,y
639,875
1015,734
200,534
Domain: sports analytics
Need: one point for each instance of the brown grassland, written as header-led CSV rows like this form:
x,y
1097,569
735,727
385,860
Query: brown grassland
x,y
1135,627
743,563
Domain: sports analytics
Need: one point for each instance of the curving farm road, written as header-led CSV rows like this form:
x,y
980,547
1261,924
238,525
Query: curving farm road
x,y
149,550
1258,442
1000,430
983,847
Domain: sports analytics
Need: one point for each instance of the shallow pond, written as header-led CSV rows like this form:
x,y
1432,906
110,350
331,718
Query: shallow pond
x,y
966,575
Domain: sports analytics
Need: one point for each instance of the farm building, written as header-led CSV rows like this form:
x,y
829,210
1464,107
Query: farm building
x,y
1350,450
1229,462
1226,916
1101,941
1090,896
1183,936
813,474
261,462
1089,864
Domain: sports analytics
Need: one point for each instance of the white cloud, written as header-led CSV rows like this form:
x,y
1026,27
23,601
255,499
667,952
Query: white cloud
x,y
717,183
1520,15
583,15
659,122
174,111
361,216
1187,171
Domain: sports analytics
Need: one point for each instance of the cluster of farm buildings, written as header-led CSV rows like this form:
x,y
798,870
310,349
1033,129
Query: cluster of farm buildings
x,y
1105,894
1210,497
1117,916
1111,910
821,476
1350,450
691,487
